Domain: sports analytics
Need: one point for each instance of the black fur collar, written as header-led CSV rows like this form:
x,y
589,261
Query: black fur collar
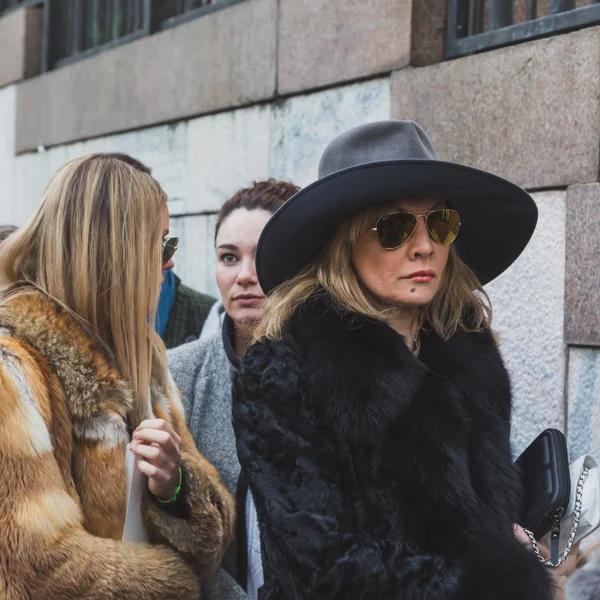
x,y
366,374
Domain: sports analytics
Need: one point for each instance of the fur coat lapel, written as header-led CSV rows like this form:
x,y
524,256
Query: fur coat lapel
x,y
92,384
370,377
97,399
88,424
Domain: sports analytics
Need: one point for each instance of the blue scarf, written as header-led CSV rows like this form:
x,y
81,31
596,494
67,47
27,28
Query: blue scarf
x,y
165,302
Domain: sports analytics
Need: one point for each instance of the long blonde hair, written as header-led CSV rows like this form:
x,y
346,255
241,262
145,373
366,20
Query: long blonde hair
x,y
94,245
460,303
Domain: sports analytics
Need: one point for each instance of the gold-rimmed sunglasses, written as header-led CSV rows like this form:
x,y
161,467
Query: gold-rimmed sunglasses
x,y
169,248
395,229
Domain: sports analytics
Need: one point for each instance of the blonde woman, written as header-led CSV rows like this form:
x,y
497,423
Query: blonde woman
x,y
82,375
373,414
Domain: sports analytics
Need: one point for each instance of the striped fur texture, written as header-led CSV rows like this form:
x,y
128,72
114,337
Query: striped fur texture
x,y
60,398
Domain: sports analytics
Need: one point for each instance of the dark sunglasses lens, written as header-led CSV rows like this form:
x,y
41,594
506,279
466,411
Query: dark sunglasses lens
x,y
443,225
394,230
169,249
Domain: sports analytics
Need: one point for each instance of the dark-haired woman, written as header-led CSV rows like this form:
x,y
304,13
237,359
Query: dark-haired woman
x,y
203,370
373,413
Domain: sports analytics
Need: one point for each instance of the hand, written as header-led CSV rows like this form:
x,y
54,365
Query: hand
x,y
159,447
566,568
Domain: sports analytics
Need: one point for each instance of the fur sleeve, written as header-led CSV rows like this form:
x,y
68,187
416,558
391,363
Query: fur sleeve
x,y
207,531
315,545
45,552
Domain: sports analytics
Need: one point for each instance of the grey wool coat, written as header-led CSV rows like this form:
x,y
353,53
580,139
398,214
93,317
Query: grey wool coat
x,y
202,371
584,584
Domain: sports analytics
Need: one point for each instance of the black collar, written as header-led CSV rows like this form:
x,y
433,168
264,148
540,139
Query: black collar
x,y
366,374
228,337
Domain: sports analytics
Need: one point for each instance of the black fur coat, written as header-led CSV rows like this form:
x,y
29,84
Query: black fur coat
x,y
379,475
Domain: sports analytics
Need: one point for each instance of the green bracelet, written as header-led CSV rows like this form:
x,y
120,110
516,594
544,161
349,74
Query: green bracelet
x,y
177,491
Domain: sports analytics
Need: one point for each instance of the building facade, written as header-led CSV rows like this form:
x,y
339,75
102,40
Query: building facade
x,y
212,95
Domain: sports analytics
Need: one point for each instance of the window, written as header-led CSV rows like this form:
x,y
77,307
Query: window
x,y
477,25
79,28
7,5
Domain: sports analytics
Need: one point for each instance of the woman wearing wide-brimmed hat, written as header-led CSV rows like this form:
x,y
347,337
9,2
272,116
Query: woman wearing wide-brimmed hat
x,y
373,413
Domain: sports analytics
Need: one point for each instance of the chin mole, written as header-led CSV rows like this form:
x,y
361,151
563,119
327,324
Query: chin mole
x,y
413,289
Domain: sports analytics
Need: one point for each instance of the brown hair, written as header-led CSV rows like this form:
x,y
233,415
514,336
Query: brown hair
x,y
267,195
132,162
460,303
5,231
94,245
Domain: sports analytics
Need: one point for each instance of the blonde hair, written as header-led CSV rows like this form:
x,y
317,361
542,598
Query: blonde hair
x,y
460,303
94,246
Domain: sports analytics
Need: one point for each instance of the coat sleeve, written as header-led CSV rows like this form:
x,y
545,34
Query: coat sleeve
x,y
314,546
45,551
206,531
184,364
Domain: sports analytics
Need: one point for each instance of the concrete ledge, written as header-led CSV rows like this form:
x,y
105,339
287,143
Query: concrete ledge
x,y
20,44
582,278
222,60
323,42
530,112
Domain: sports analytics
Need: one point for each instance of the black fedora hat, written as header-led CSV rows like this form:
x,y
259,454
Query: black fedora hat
x,y
383,161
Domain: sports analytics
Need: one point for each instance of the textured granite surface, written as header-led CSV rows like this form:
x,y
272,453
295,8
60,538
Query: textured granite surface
x,y
528,303
322,42
582,279
529,112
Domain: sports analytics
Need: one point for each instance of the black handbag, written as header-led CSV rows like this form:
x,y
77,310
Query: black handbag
x,y
546,481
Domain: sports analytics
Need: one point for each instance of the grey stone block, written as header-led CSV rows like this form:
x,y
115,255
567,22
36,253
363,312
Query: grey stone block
x,y
528,304
584,402
323,42
225,152
20,44
302,126
195,261
582,281
529,112
429,22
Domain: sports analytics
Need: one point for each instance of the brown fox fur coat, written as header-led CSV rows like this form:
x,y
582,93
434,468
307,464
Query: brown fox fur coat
x,y
63,410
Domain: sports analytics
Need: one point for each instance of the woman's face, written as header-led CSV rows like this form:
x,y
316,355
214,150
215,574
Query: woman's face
x,y
164,226
238,284
409,276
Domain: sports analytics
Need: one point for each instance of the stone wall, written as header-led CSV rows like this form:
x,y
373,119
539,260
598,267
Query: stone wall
x,y
201,162
268,104
8,203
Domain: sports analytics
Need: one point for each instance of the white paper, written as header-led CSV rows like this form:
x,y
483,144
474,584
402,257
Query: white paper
x,y
137,483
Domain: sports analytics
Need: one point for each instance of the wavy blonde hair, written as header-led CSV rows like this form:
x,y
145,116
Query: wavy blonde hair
x,y
95,246
460,303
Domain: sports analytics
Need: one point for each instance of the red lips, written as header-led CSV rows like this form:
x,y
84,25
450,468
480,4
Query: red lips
x,y
418,274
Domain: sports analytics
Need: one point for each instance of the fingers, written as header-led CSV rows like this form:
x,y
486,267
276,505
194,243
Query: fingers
x,y
158,425
161,433
159,448
522,536
160,438
153,454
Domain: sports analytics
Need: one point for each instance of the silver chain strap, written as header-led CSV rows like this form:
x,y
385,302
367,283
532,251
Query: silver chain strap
x,y
576,518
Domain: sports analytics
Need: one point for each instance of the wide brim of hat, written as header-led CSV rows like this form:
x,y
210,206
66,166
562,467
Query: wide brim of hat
x,y
498,217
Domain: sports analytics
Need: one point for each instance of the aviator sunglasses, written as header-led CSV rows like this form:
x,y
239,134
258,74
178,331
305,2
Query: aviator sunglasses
x,y
395,229
169,248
